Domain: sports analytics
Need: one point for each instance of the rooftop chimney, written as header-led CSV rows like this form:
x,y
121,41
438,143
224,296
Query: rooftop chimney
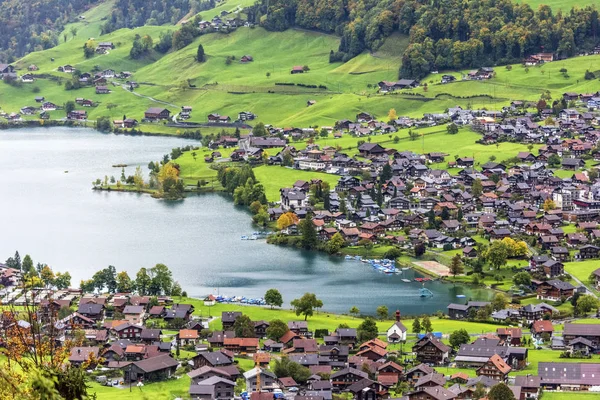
x,y
398,315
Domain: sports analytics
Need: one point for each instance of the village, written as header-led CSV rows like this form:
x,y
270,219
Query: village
x,y
132,340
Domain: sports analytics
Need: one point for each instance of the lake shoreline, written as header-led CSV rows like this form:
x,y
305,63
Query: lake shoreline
x,y
34,124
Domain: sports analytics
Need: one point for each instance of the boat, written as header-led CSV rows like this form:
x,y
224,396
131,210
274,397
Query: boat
x,y
418,279
244,237
357,258
424,292
349,258
405,268
460,296
405,280
253,237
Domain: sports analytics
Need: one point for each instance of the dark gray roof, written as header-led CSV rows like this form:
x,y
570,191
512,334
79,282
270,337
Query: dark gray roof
x,y
569,373
157,363
581,330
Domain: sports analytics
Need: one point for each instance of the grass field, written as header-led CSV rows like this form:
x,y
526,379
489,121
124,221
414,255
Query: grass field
x,y
582,269
570,395
229,89
275,178
152,391
325,320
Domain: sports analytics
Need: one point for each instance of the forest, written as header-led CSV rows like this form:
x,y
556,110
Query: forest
x,y
444,34
134,13
27,26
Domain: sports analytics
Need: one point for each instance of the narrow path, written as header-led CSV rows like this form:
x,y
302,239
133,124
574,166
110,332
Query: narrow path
x,y
124,87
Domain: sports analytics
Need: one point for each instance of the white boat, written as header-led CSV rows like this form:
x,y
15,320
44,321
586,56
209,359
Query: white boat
x,y
405,280
244,237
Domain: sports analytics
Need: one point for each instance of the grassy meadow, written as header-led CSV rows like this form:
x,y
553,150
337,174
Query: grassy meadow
x,y
231,88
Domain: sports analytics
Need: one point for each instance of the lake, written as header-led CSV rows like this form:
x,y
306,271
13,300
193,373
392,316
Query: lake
x,y
48,210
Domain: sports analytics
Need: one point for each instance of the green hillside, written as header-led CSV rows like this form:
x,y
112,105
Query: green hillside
x,y
217,87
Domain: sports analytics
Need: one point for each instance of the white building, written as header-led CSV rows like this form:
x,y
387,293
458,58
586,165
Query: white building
x,y
397,332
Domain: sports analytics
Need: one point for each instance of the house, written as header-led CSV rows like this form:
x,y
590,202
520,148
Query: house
x,y
529,384
214,359
213,388
151,369
187,337
200,374
534,312
128,331
77,115
397,332
149,336
540,327
587,252
370,149
431,350
246,116
260,328
461,311
246,58
431,393
343,378
554,290
80,355
469,252
102,90
228,319
157,113
134,314
91,311
299,328
573,376
268,380
241,345
298,69
572,163
590,332
64,68
373,353
510,336
386,86
27,78
495,368
105,45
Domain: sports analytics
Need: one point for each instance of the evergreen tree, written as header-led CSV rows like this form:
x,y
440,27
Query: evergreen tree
x,y
308,233
200,57
416,326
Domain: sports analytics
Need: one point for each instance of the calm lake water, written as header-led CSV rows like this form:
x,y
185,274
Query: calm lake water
x,y
54,216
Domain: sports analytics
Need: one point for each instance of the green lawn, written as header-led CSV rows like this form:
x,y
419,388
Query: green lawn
x,y
229,89
582,269
325,320
274,178
570,395
167,390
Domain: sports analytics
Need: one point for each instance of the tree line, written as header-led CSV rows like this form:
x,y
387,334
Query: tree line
x,y
134,13
27,26
40,275
154,281
444,34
